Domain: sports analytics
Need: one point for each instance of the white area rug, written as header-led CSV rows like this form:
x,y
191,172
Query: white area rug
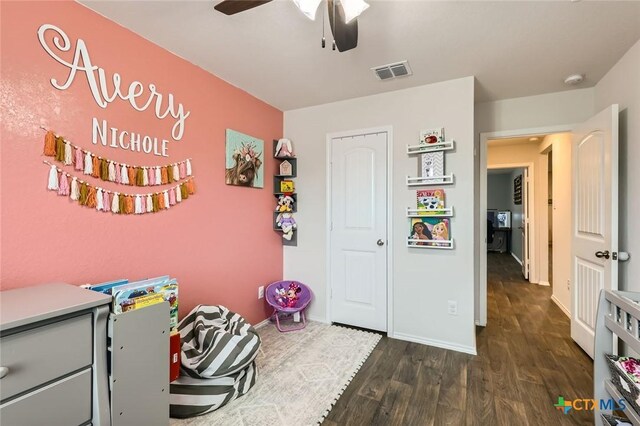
x,y
300,376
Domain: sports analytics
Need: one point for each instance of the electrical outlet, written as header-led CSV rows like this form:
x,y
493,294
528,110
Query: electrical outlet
x,y
453,307
261,292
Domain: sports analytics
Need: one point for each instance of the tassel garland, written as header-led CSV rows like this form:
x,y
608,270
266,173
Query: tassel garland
x,y
50,144
53,179
75,189
63,187
107,201
67,153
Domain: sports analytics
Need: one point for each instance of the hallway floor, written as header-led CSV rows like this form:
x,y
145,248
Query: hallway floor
x,y
526,359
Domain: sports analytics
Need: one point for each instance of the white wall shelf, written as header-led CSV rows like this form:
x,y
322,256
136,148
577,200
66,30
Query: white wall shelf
x,y
430,244
446,212
433,180
422,149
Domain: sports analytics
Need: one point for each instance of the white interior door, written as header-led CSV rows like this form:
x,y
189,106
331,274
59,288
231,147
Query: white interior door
x,y
595,220
358,240
525,223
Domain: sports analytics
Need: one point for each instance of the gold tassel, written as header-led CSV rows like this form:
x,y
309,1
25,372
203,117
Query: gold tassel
x,y
104,169
184,192
121,203
156,205
91,198
139,176
84,194
50,144
60,149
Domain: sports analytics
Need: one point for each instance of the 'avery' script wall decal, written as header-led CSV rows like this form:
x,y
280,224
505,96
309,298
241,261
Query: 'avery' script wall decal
x,y
136,94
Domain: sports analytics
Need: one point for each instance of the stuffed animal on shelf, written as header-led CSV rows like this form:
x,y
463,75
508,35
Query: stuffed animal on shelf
x,y
287,223
285,203
284,148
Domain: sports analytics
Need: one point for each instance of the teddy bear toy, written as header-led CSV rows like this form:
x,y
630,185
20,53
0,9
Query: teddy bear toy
x,y
287,223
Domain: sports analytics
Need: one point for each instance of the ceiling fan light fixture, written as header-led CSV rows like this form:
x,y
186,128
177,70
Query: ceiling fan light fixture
x,y
353,9
308,7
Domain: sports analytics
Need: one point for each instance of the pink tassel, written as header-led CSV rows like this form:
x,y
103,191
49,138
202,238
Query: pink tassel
x,y
63,188
151,177
106,202
172,197
79,159
183,170
118,175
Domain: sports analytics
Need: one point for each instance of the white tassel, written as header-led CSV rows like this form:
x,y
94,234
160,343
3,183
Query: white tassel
x,y
112,171
149,203
145,177
115,203
188,167
165,194
138,204
53,179
176,173
68,154
99,200
178,194
158,177
124,175
75,189
88,163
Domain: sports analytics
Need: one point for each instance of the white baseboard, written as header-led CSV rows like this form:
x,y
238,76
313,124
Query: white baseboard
x,y
544,283
516,258
437,343
318,319
262,323
563,308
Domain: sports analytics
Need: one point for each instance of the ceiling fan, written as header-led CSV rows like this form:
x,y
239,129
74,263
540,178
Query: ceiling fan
x,y
343,16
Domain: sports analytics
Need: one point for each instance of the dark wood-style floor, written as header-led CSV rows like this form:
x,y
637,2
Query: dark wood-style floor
x,y
525,360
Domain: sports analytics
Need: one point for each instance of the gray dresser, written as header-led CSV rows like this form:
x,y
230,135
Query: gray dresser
x,y
53,356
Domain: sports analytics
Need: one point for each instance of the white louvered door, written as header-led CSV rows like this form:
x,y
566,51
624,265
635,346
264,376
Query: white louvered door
x,y
595,220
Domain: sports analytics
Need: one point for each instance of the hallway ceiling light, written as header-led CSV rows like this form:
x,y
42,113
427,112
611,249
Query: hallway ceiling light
x,y
574,79
533,139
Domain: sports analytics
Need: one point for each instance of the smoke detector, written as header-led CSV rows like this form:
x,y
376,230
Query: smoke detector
x,y
391,71
574,79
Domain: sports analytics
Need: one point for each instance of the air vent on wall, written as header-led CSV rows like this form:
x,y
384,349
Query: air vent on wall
x,y
390,71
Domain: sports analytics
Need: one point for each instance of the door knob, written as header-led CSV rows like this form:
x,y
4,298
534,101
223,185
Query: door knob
x,y
380,242
602,254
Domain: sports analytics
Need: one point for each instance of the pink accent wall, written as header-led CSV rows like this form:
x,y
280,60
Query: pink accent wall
x,y
219,243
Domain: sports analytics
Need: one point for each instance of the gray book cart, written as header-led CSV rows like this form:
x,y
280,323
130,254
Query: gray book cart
x,y
139,366
618,318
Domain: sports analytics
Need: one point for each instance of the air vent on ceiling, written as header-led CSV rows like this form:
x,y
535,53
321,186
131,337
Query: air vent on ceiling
x,y
389,71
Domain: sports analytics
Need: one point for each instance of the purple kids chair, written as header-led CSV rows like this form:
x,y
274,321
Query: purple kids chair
x,y
287,298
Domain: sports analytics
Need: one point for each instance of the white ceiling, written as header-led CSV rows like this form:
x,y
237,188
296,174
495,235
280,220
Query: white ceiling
x,y
514,49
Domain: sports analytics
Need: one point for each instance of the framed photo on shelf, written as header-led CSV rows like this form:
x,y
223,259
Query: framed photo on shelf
x,y
432,164
431,136
287,186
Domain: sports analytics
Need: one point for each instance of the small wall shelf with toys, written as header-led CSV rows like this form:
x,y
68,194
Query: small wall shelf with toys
x,y
431,148
284,192
430,220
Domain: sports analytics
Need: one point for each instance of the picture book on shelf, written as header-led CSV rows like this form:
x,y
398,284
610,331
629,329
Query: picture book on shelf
x,y
139,294
430,199
430,229
431,136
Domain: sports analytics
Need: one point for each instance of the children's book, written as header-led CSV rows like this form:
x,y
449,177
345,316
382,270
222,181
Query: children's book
x,y
430,199
431,136
430,229
147,293
108,287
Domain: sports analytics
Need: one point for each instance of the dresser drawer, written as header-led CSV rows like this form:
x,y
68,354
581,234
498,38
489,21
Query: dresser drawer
x,y
42,354
63,403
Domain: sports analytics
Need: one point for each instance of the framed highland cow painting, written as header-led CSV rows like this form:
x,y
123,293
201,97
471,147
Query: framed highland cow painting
x,y
245,157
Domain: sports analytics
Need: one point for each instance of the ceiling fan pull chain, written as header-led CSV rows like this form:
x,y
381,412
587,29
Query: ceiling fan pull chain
x,y
323,39
333,46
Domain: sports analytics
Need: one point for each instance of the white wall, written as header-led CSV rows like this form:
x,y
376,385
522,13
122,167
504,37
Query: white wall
x,y
424,280
621,85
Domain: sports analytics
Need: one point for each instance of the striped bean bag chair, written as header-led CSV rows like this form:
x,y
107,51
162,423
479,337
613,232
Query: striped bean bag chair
x,y
218,352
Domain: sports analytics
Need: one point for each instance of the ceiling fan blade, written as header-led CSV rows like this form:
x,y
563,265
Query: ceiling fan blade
x,y
345,35
231,7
